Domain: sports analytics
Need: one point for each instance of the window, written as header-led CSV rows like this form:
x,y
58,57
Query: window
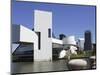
x,y
39,40
49,32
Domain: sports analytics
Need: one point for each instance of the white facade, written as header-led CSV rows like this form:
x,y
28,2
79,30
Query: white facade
x,y
24,35
81,43
43,26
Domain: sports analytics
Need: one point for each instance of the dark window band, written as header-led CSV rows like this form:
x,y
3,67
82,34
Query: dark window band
x,y
49,32
39,40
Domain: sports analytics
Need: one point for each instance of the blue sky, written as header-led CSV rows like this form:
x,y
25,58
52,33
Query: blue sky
x,y
67,19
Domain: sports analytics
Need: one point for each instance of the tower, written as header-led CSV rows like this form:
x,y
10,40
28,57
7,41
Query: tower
x,y
87,43
43,28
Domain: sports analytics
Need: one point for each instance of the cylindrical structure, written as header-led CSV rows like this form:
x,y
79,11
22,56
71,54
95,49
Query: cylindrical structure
x,y
69,40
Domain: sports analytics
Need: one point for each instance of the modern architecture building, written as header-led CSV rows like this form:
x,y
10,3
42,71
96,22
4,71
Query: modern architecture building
x,y
88,42
39,40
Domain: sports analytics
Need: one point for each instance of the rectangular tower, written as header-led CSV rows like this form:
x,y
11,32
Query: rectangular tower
x,y
43,28
88,42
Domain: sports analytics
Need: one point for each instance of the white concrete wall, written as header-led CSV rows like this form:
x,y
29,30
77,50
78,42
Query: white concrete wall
x,y
23,34
29,36
43,21
26,35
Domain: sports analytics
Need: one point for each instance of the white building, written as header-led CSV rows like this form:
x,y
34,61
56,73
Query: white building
x,y
43,28
40,38
81,43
